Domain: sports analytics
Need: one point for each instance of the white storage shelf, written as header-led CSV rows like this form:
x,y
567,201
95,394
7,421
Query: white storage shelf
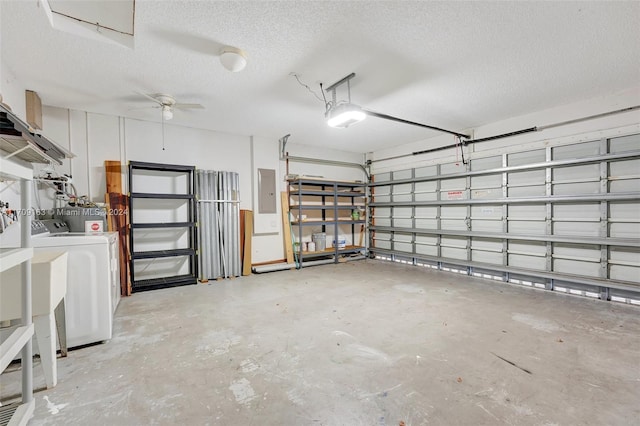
x,y
19,413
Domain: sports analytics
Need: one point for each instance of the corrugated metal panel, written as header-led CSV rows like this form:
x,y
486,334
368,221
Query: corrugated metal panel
x,y
219,228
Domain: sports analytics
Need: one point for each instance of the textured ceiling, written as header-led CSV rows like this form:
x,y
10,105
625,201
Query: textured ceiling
x,y
455,65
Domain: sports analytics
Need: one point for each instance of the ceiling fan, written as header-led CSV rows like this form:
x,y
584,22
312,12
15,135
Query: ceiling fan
x,y
168,103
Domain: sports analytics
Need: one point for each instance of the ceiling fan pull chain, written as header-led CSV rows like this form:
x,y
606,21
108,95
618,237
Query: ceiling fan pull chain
x,y
162,117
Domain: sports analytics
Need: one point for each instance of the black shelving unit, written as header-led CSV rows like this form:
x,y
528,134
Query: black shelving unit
x,y
181,197
331,204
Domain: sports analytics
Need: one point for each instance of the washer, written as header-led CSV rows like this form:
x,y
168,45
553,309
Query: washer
x,y
93,280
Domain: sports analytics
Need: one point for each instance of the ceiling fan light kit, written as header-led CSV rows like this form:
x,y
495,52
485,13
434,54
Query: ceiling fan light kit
x,y
233,59
167,113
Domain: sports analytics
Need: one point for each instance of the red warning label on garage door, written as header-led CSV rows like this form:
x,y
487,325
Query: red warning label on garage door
x,y
454,195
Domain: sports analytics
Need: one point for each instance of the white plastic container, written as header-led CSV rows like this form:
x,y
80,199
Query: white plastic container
x,y
342,243
311,246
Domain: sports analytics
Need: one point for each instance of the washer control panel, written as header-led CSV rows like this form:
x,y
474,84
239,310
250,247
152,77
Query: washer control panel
x,y
38,227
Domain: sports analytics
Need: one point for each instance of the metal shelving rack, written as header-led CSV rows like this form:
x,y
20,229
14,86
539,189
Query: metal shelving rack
x,y
331,196
190,225
20,340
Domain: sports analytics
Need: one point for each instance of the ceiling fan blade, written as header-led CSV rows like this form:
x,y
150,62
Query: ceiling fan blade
x,y
149,97
188,106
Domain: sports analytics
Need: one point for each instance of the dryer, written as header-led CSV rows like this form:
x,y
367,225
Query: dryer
x,y
93,280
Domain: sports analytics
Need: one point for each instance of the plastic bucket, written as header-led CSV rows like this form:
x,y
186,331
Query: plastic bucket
x,y
341,243
320,240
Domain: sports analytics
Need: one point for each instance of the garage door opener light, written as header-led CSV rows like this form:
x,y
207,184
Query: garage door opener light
x,y
343,114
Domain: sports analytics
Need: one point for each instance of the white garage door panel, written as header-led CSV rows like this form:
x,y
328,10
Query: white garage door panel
x,y
585,229
487,211
589,211
403,238
382,212
622,210
454,224
452,185
487,193
486,257
427,212
427,239
381,190
529,262
584,149
627,185
532,177
450,168
426,196
426,171
624,144
527,157
427,250
383,221
428,186
624,230
526,191
576,173
589,269
451,212
402,212
382,236
530,247
625,273
454,253
486,244
486,181
576,188
486,163
406,247
383,244
618,169
382,177
527,227
537,211
486,226
402,197
402,174
403,223
426,223
380,198
460,242
586,252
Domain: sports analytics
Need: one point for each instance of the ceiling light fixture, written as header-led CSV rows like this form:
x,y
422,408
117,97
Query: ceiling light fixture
x,y
343,114
167,113
233,59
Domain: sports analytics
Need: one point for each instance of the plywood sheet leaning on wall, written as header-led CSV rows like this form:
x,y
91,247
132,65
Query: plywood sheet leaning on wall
x,y
113,171
286,227
118,219
246,233
119,214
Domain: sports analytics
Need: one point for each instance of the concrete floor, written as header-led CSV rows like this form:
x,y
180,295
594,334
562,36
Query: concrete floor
x,y
361,343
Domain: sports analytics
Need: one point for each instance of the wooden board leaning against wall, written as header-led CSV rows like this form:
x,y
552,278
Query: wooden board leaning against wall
x,y
118,219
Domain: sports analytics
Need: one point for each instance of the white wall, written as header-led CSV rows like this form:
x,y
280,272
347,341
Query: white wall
x,y
94,138
268,241
583,131
12,91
